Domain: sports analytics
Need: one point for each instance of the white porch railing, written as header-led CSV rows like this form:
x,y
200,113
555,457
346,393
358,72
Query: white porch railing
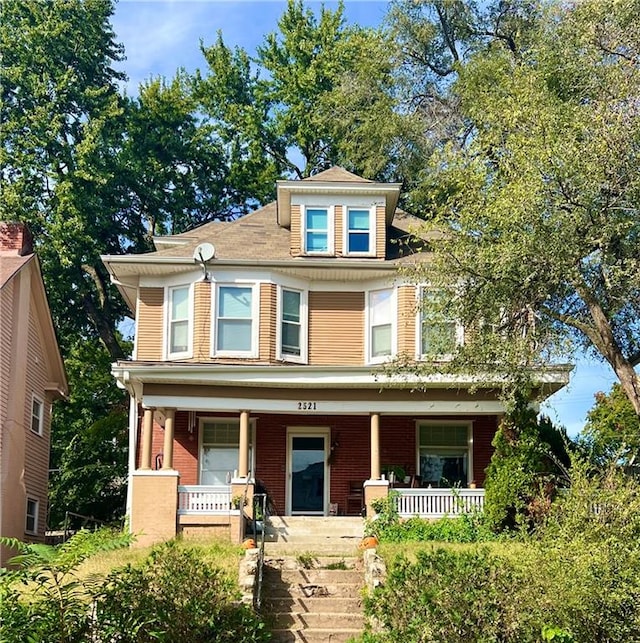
x,y
201,499
436,503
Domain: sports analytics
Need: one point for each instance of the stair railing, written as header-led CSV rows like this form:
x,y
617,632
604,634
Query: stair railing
x,y
259,520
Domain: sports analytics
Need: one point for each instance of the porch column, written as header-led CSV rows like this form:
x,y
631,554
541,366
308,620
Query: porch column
x,y
375,446
147,437
243,464
167,447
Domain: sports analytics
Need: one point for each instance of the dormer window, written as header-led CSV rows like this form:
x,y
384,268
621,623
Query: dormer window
x,y
360,231
318,230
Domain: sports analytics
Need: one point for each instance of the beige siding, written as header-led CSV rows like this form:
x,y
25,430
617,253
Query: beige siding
x,y
6,326
150,324
407,320
268,319
202,322
336,328
36,465
381,232
338,231
296,234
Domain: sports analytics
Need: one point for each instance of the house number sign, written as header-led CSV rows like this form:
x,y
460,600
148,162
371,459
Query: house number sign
x,y
307,406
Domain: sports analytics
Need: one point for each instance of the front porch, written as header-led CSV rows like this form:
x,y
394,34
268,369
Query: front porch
x,y
216,500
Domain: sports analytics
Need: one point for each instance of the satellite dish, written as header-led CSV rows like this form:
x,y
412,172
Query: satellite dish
x,y
204,252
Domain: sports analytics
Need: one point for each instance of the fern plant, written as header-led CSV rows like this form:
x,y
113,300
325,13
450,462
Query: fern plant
x,y
55,606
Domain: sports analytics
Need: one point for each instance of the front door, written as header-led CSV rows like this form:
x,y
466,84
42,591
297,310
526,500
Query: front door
x,y
307,472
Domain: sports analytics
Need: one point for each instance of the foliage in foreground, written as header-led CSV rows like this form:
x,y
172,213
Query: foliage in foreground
x,y
387,526
175,594
576,579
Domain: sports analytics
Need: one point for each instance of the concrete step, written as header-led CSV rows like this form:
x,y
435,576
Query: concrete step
x,y
290,527
314,636
315,576
304,601
306,605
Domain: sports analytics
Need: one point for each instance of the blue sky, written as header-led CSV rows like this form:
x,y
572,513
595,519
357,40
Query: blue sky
x,y
161,36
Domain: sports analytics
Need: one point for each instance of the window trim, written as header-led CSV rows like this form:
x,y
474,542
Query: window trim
x,y
35,516
36,399
255,318
459,329
372,231
225,420
370,359
467,423
168,298
304,324
330,208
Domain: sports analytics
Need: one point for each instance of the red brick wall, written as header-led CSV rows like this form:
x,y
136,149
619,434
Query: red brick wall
x,y
15,236
351,456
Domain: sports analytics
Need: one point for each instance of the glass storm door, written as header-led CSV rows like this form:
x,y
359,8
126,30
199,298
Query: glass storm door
x,y
307,458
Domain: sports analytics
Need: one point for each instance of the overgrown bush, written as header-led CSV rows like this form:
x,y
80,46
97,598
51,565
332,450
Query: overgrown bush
x,y
528,465
574,579
174,596
387,525
448,597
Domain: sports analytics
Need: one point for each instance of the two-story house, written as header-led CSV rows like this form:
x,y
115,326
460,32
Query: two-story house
x,y
32,376
258,352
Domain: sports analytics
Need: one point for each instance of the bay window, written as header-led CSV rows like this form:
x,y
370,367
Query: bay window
x,y
439,334
381,315
291,324
179,319
234,325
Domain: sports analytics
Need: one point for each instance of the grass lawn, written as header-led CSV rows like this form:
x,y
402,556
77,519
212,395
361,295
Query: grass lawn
x,y
220,553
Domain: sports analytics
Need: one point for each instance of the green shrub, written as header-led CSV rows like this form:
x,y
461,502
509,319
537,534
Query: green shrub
x,y
387,526
174,596
448,597
528,463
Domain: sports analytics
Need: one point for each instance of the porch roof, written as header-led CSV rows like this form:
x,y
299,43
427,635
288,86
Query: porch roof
x,y
134,376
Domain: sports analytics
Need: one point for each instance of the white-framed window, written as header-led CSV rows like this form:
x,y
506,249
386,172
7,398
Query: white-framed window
x,y
236,320
381,313
31,516
444,454
359,231
317,229
37,415
220,450
179,321
438,335
292,336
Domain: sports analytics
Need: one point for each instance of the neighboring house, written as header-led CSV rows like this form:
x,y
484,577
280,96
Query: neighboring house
x,y
32,376
258,352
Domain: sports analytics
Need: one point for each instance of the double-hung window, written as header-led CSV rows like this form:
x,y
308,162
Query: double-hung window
x,y
439,334
31,519
317,230
220,451
359,237
291,324
179,319
381,314
235,327
444,454
37,415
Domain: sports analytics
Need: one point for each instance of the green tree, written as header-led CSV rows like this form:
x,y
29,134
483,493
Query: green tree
x,y
538,202
90,447
612,431
276,112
